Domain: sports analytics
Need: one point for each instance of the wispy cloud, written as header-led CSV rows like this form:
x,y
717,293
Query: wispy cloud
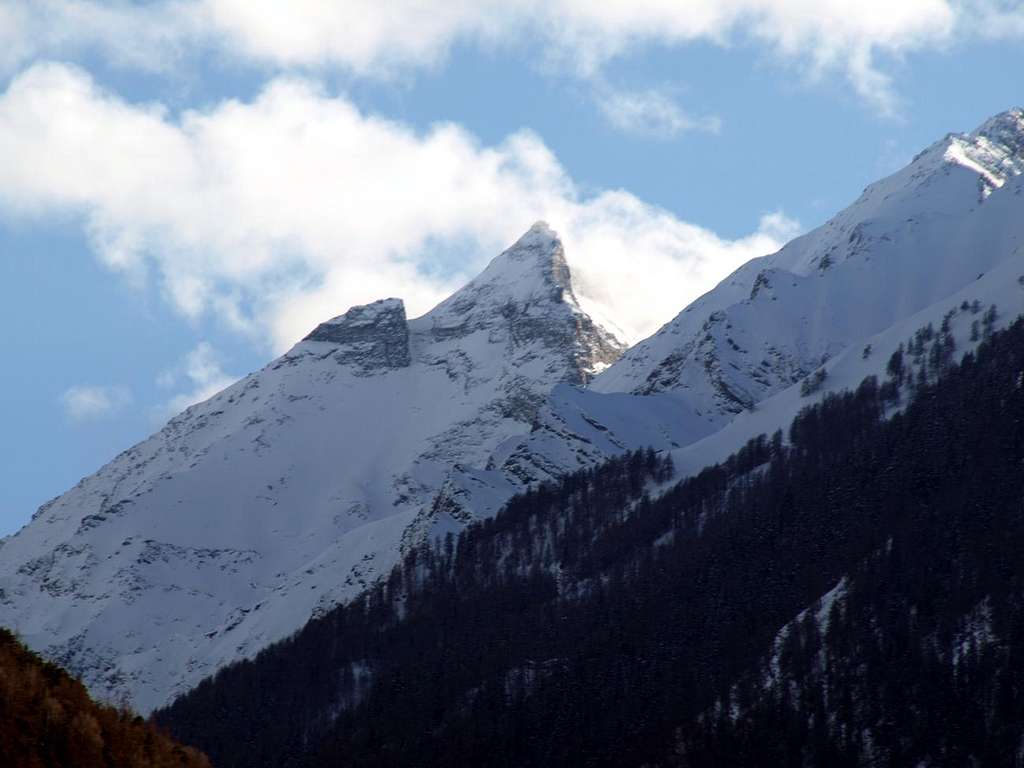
x,y
997,19
367,38
650,112
88,403
201,374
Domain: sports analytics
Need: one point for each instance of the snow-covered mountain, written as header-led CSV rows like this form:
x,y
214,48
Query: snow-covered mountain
x,y
910,241
294,488
291,489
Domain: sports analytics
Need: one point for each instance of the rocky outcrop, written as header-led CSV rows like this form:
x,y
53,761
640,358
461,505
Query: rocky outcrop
x,y
371,338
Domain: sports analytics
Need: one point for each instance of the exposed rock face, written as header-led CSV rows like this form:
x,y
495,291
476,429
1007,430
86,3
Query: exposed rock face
x,y
372,338
995,150
295,487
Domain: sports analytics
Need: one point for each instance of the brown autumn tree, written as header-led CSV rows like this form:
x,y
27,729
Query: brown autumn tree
x,y
48,720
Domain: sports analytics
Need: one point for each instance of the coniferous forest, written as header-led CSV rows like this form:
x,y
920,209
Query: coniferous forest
x,y
609,619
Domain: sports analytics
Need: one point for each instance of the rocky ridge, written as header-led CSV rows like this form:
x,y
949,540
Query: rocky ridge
x,y
908,240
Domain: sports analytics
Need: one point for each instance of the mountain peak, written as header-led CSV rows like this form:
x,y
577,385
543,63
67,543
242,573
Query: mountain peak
x,y
994,150
536,261
911,238
372,336
359,316
525,295
1006,127
532,271
540,236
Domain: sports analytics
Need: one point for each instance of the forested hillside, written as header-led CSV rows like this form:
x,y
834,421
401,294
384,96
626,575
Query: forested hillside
x,y
915,656
607,620
47,719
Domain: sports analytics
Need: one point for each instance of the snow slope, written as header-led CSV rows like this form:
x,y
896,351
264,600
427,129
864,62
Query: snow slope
x,y
909,240
1002,287
294,487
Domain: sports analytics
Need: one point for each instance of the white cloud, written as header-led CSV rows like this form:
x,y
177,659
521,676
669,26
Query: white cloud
x,y
650,112
276,214
639,265
86,403
998,19
201,372
371,38
152,35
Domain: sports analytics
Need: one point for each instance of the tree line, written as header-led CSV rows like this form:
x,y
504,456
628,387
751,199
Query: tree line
x,y
595,622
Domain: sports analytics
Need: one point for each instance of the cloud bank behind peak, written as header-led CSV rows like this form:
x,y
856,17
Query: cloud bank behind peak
x,y
274,214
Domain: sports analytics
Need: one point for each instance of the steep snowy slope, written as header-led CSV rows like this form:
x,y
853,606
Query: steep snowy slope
x,y
289,490
1002,288
909,240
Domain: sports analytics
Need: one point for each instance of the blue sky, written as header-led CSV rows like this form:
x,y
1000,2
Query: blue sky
x,y
187,186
